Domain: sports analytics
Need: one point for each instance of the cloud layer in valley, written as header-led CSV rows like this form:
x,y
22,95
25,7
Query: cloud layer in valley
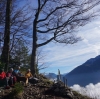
x,y
90,90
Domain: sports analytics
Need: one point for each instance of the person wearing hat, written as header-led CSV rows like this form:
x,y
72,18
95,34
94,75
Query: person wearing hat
x,y
28,74
11,79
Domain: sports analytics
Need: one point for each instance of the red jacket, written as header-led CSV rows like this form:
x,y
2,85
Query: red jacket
x,y
2,75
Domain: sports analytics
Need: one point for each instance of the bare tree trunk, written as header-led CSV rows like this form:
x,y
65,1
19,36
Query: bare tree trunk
x,y
34,48
5,51
33,57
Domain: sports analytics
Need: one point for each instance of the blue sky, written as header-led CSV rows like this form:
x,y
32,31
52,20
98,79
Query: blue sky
x,y
67,57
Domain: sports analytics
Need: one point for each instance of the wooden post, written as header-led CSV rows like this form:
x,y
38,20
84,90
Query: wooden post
x,y
66,82
57,78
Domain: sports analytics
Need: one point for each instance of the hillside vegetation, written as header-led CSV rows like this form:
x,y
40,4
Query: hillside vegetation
x,y
43,89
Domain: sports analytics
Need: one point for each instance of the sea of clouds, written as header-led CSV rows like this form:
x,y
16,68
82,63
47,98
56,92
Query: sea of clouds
x,y
91,90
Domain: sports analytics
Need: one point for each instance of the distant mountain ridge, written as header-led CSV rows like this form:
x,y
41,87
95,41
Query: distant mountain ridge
x,y
88,72
51,75
91,65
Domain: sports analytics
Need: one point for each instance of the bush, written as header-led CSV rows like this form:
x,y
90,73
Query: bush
x,y
16,92
18,88
47,81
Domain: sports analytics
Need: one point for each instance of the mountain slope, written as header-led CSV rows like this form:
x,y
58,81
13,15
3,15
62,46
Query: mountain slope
x,y
91,65
86,73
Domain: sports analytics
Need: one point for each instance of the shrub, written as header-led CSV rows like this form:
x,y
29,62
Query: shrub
x,y
47,81
16,92
18,88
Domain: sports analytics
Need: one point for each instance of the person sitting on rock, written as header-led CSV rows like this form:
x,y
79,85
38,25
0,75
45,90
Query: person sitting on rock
x,y
11,79
2,78
18,74
28,75
17,71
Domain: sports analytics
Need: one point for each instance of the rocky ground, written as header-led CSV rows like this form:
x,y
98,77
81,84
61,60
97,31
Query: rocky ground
x,y
43,89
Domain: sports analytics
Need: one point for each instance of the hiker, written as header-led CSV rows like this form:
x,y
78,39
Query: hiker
x,y
17,71
2,78
11,79
18,74
28,75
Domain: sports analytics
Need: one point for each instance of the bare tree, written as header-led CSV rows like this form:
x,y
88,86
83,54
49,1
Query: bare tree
x,y
2,11
5,52
19,28
21,21
57,20
2,19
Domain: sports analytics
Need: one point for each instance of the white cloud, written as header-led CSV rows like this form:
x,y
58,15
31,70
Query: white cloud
x,y
92,46
60,55
91,90
66,53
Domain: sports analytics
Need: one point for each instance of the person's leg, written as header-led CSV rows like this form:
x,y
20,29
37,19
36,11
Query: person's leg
x,y
7,83
7,80
10,82
26,82
18,78
1,82
14,79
